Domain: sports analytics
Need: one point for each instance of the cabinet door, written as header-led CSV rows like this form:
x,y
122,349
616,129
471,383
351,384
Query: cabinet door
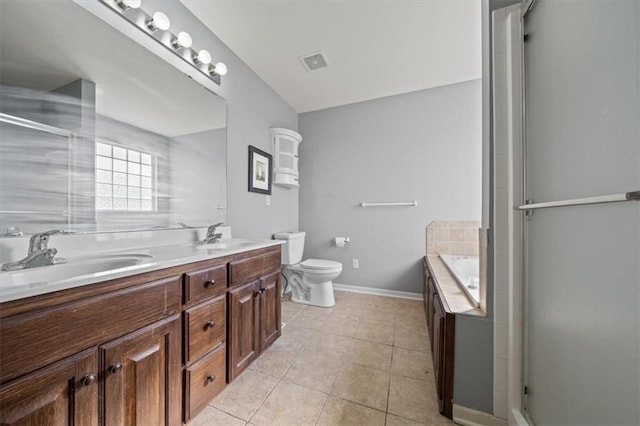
x,y
286,149
142,376
64,393
270,325
438,348
243,324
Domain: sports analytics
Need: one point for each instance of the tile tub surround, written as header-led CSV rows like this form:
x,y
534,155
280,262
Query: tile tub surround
x,y
464,238
453,237
334,375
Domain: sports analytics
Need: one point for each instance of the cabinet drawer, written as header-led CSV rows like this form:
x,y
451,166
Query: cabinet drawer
x,y
205,283
245,270
205,327
41,337
272,261
203,381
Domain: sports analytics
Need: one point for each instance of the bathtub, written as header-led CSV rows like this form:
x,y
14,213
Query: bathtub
x,y
466,270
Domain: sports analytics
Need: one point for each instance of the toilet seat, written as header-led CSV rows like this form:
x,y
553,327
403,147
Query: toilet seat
x,y
320,264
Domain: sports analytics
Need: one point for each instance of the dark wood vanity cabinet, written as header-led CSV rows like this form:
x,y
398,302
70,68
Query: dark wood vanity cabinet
x,y
441,326
244,312
205,336
141,374
150,349
270,303
254,309
64,393
107,356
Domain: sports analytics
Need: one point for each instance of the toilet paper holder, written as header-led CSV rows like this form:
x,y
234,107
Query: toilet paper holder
x,y
341,241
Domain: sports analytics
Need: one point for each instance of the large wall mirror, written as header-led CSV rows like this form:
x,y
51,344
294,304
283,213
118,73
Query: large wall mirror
x,y
99,134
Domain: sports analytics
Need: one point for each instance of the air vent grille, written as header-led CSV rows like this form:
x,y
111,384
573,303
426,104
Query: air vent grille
x,y
314,61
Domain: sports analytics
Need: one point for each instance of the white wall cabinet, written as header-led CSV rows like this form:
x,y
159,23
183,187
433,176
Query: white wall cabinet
x,y
284,147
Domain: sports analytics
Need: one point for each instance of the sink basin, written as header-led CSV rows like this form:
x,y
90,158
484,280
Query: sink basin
x,y
229,244
73,268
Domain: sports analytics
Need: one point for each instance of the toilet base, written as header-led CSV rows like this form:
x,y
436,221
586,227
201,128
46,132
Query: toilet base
x,y
307,293
320,295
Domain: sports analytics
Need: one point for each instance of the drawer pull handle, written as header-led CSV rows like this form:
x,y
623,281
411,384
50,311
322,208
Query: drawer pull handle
x,y
88,380
209,283
115,368
209,324
209,379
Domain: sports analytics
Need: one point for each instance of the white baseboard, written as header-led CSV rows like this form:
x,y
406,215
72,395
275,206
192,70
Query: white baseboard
x,y
378,291
468,417
516,418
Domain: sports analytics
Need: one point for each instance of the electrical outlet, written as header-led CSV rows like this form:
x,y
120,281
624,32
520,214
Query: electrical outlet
x,y
268,200
355,263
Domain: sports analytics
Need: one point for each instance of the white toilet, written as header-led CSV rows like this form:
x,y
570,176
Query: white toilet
x,y
311,281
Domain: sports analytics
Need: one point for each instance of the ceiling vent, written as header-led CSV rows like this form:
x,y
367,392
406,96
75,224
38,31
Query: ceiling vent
x,y
314,61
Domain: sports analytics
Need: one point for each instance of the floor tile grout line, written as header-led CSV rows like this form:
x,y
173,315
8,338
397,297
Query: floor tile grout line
x,y
397,324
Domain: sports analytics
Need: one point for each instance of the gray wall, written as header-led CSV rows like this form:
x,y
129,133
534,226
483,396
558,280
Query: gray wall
x,y
252,107
423,146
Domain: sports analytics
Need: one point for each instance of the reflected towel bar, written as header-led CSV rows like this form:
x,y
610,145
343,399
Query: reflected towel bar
x,y
407,203
29,124
614,198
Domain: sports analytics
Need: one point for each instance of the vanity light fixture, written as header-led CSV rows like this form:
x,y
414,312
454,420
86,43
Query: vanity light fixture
x,y
180,44
202,57
128,4
219,69
182,41
159,21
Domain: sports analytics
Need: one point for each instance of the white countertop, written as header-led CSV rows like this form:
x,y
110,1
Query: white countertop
x,y
160,257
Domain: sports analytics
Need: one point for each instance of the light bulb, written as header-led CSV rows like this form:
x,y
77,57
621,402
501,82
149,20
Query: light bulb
x,y
128,4
219,68
202,57
182,40
159,21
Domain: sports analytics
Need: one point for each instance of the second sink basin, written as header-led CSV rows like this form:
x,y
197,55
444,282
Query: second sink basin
x,y
229,244
73,268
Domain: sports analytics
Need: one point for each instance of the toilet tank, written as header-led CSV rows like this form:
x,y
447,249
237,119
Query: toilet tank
x,y
293,247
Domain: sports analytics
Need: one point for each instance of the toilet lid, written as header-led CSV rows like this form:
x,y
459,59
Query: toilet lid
x,y
320,264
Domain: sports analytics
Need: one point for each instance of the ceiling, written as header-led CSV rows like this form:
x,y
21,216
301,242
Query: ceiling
x,y
374,48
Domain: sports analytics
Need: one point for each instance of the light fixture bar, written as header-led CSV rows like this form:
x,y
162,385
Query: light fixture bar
x,y
157,27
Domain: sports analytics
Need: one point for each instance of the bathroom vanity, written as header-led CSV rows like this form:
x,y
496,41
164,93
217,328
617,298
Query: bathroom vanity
x,y
150,348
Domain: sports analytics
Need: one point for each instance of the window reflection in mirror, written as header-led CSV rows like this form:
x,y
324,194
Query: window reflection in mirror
x,y
99,134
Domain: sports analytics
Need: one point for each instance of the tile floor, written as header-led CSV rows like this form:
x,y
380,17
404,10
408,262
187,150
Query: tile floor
x,y
365,361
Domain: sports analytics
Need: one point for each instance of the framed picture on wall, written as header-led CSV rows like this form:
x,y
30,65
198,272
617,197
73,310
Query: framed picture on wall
x,y
259,171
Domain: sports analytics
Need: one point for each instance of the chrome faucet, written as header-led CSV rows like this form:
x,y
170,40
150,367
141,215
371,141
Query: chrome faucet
x,y
212,236
39,254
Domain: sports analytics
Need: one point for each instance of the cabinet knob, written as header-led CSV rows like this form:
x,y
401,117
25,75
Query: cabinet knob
x,y
115,368
209,324
88,380
209,379
209,283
